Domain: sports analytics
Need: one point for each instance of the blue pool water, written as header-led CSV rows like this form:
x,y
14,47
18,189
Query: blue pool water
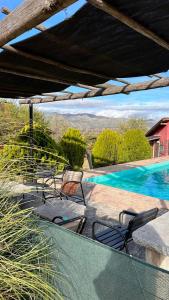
x,y
152,180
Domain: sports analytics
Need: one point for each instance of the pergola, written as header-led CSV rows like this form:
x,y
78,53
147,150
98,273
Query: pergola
x,y
103,43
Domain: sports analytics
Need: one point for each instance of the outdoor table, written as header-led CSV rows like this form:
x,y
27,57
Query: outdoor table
x,y
63,213
154,236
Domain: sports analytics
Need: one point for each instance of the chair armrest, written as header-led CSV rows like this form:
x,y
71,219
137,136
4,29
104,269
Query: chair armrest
x,y
68,220
108,226
57,217
126,212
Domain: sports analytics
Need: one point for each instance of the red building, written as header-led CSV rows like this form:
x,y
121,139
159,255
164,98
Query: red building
x,y
158,137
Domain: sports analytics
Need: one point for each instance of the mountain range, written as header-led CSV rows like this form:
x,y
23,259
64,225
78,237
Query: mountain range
x,y
86,122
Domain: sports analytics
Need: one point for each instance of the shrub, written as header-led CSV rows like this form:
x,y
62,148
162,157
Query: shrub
x,y
136,145
45,150
14,117
107,148
74,147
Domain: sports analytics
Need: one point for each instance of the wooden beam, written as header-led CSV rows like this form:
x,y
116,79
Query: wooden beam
x,y
27,15
4,68
45,77
34,76
158,75
22,92
6,11
40,27
136,26
54,94
14,93
57,64
147,85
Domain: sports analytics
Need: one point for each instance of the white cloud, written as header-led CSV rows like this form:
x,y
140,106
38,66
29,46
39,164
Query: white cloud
x,y
113,107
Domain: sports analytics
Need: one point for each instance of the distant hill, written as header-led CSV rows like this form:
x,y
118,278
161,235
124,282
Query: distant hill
x,y
87,122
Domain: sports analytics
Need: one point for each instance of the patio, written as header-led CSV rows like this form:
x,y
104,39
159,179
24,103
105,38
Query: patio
x,y
104,203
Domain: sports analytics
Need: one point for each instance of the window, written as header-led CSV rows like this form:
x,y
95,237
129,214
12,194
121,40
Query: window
x,y
161,148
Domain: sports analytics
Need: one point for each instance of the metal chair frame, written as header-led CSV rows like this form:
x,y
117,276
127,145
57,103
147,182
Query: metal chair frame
x,y
120,234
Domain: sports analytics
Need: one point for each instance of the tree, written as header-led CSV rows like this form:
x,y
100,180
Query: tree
x,y
58,125
134,123
74,147
14,117
45,150
136,145
107,148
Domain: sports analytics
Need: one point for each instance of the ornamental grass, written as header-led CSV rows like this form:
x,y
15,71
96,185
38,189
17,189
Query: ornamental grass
x,y
25,252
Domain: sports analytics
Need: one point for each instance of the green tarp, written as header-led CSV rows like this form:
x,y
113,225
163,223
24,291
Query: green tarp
x,y
91,271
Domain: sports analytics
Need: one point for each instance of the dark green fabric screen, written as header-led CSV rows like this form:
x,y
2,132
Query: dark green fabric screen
x,y
91,271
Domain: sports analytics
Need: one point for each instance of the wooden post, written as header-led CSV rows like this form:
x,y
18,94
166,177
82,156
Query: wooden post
x,y
89,158
31,129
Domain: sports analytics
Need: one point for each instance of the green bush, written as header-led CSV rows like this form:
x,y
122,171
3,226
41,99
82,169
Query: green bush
x,y
74,147
136,145
45,150
107,148
13,118
41,138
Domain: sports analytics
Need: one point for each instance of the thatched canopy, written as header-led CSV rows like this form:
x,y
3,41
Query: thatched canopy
x,y
90,48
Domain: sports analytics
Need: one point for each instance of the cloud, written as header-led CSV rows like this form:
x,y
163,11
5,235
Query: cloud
x,y
105,108
148,104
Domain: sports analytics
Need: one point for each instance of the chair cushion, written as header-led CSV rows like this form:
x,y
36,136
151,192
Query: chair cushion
x,y
111,237
64,208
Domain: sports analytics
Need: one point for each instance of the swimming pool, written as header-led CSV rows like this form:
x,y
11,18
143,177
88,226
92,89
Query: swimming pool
x,y
151,180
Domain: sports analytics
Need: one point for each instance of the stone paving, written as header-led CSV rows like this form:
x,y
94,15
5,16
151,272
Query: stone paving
x,y
105,203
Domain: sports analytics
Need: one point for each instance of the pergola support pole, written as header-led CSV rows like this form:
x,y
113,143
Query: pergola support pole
x,y
31,144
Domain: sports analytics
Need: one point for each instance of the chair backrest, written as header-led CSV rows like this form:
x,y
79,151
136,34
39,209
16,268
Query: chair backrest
x,y
71,182
140,220
70,175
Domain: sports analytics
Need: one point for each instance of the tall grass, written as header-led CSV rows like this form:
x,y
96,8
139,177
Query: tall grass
x,y
25,266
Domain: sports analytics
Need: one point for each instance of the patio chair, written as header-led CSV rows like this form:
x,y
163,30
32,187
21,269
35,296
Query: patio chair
x,y
48,176
119,236
63,213
71,188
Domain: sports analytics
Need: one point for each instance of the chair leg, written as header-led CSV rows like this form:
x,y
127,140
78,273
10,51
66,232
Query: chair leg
x,y
126,248
81,225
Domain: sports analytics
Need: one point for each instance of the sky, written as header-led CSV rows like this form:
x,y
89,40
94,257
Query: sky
x,y
152,104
